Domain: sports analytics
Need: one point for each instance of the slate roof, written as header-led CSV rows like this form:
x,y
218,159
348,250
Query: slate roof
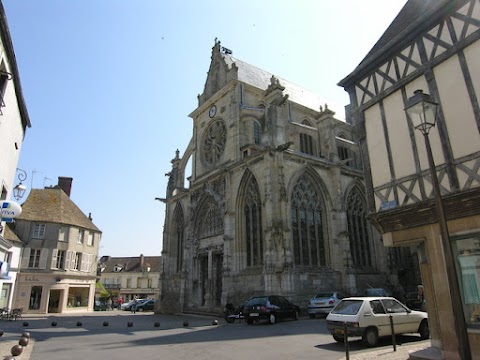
x,y
10,235
53,205
414,16
130,264
260,78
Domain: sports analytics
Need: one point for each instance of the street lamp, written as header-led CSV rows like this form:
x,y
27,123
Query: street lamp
x,y
19,190
422,111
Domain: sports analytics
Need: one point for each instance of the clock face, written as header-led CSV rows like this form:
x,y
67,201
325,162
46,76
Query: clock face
x,y
213,111
214,142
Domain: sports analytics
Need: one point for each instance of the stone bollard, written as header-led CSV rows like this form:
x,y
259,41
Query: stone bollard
x,y
130,324
157,324
16,350
26,334
215,322
1,333
25,324
105,323
79,323
23,341
54,323
185,323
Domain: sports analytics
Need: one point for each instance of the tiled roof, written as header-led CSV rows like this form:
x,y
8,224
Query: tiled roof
x,y
53,205
130,264
10,235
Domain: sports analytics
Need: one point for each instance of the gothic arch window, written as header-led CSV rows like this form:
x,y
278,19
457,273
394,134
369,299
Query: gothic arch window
x,y
209,219
358,229
252,213
307,223
178,228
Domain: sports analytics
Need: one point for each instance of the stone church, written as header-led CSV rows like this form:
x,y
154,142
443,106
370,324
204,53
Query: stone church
x,y
275,203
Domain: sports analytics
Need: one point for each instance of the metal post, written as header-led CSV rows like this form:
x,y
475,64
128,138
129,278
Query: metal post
x,y
345,340
454,288
394,340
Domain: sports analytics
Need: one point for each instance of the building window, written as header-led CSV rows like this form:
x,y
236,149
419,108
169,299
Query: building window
x,y
307,224
77,297
61,259
358,229
77,261
467,255
150,283
306,144
90,239
34,261
129,283
252,212
39,231
209,219
179,234
63,234
3,86
81,234
35,297
256,133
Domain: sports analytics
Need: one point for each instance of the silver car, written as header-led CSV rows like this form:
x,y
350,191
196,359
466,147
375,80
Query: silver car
x,y
323,303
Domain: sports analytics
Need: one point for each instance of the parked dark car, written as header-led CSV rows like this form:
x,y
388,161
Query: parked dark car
x,y
412,301
146,305
269,308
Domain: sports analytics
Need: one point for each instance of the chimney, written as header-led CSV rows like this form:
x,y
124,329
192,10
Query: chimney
x,y
65,183
142,260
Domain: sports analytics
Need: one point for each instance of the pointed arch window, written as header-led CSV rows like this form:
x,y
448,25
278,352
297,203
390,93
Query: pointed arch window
x,y
179,226
358,229
252,212
307,224
209,220
256,133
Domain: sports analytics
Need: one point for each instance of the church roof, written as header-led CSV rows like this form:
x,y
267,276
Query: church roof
x,y
414,17
225,67
55,206
260,78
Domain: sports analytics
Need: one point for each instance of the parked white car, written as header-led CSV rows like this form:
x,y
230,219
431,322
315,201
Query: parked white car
x,y
323,303
369,317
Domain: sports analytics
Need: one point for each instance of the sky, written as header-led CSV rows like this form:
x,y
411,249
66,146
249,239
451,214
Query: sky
x,y
109,85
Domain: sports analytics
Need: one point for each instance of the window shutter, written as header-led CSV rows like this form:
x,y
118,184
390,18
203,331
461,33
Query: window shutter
x,y
68,259
43,259
54,264
26,257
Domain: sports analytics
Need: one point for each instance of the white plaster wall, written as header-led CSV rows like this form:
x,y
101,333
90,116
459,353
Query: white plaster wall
x,y
456,105
399,135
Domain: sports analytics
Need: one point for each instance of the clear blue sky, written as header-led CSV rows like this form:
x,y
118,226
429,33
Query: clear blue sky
x,y
109,85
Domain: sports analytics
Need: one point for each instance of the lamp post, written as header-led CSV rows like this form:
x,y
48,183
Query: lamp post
x,y
422,111
19,190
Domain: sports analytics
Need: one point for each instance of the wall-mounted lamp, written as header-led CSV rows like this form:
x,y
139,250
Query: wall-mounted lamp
x,y
19,190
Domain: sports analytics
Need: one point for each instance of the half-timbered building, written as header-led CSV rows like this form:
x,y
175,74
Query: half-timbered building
x,y
431,46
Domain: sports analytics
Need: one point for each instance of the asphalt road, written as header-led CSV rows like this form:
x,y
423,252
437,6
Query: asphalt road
x,y
172,339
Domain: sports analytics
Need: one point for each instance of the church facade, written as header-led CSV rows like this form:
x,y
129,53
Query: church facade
x,y
275,203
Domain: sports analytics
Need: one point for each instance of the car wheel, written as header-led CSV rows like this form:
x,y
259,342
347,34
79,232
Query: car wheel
x,y
296,315
339,338
423,330
249,321
272,319
140,309
370,337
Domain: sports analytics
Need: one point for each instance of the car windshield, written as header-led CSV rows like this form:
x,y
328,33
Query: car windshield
x,y
324,295
348,307
256,301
